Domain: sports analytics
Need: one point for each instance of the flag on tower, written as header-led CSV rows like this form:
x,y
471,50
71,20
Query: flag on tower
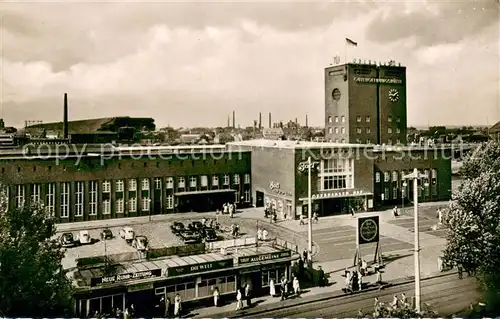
x,y
350,42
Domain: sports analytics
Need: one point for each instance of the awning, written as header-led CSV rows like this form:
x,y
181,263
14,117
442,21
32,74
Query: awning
x,y
213,191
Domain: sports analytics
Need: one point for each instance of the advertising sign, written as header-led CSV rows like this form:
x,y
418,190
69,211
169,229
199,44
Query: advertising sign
x,y
368,230
196,268
125,277
264,257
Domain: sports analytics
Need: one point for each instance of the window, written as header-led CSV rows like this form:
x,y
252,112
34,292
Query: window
x,y
50,198
132,204
434,173
215,180
170,201
132,185
386,193
64,200
389,130
394,193
398,119
237,196
368,119
170,182
204,181
358,130
79,199
377,177
226,179
247,196
157,182
358,119
35,193
368,141
106,207
336,119
389,119
330,130
20,193
336,130
336,173
398,131
342,119
247,178
192,181
342,130
106,187
395,176
330,119
387,177
368,130
236,179
181,182
119,186
93,197
145,184
119,206
398,141
146,203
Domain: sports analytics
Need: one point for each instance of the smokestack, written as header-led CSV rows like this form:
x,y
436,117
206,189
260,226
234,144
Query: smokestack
x,y
65,116
228,121
260,120
269,119
296,121
234,117
306,121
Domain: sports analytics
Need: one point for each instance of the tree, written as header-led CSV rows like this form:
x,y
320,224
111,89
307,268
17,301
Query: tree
x,y
33,283
382,310
473,220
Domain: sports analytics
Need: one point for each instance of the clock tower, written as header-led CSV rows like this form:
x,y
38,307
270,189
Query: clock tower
x,y
365,103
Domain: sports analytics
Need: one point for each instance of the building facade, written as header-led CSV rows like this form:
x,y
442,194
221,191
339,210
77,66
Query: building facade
x,y
344,176
365,104
129,182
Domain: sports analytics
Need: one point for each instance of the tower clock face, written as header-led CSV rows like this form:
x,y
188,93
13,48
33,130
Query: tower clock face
x,y
393,95
336,94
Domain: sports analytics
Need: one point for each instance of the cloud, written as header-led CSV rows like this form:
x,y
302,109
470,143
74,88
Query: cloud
x,y
193,64
435,23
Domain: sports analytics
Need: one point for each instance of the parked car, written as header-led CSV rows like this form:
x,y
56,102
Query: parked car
x,y
140,243
210,235
67,240
106,234
84,237
190,237
196,225
128,234
177,227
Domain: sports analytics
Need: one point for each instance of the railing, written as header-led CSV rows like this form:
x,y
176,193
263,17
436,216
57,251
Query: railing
x,y
285,244
231,243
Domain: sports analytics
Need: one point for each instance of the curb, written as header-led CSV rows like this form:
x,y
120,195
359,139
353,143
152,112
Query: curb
x,y
334,295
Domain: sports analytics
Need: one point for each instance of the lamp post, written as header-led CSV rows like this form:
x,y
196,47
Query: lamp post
x,y
415,176
302,167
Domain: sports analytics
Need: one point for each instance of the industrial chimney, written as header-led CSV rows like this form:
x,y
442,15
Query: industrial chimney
x,y
269,119
234,119
260,120
306,121
65,117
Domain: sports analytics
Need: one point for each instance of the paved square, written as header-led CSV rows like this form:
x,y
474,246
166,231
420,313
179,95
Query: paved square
x,y
425,225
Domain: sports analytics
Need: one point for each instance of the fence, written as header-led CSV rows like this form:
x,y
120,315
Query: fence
x,y
285,244
231,243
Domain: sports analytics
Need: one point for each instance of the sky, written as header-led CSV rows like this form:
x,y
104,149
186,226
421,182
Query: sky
x,y
193,63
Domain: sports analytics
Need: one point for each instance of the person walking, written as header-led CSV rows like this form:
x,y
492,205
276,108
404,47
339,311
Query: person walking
x,y
315,217
302,220
259,234
379,277
248,295
272,288
296,286
168,304
360,281
177,305
239,304
216,295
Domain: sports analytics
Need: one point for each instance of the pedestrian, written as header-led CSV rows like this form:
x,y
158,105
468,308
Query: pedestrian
x,y
360,281
284,288
132,310
239,304
352,212
403,299
168,304
225,208
296,286
265,235
272,288
321,277
259,234
118,312
460,271
347,281
248,295
302,220
126,314
274,216
315,217
395,301
216,295
379,277
177,305
231,210
304,254
364,267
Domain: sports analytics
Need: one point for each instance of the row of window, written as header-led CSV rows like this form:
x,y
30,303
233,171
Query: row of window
x,y
359,130
336,173
341,119
397,176
403,192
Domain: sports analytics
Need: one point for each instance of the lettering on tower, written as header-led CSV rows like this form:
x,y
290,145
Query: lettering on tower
x,y
360,79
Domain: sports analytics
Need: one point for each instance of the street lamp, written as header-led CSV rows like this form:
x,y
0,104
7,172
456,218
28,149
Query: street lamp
x,y
415,176
303,166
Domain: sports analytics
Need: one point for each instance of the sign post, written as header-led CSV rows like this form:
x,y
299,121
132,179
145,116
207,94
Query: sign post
x,y
367,231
